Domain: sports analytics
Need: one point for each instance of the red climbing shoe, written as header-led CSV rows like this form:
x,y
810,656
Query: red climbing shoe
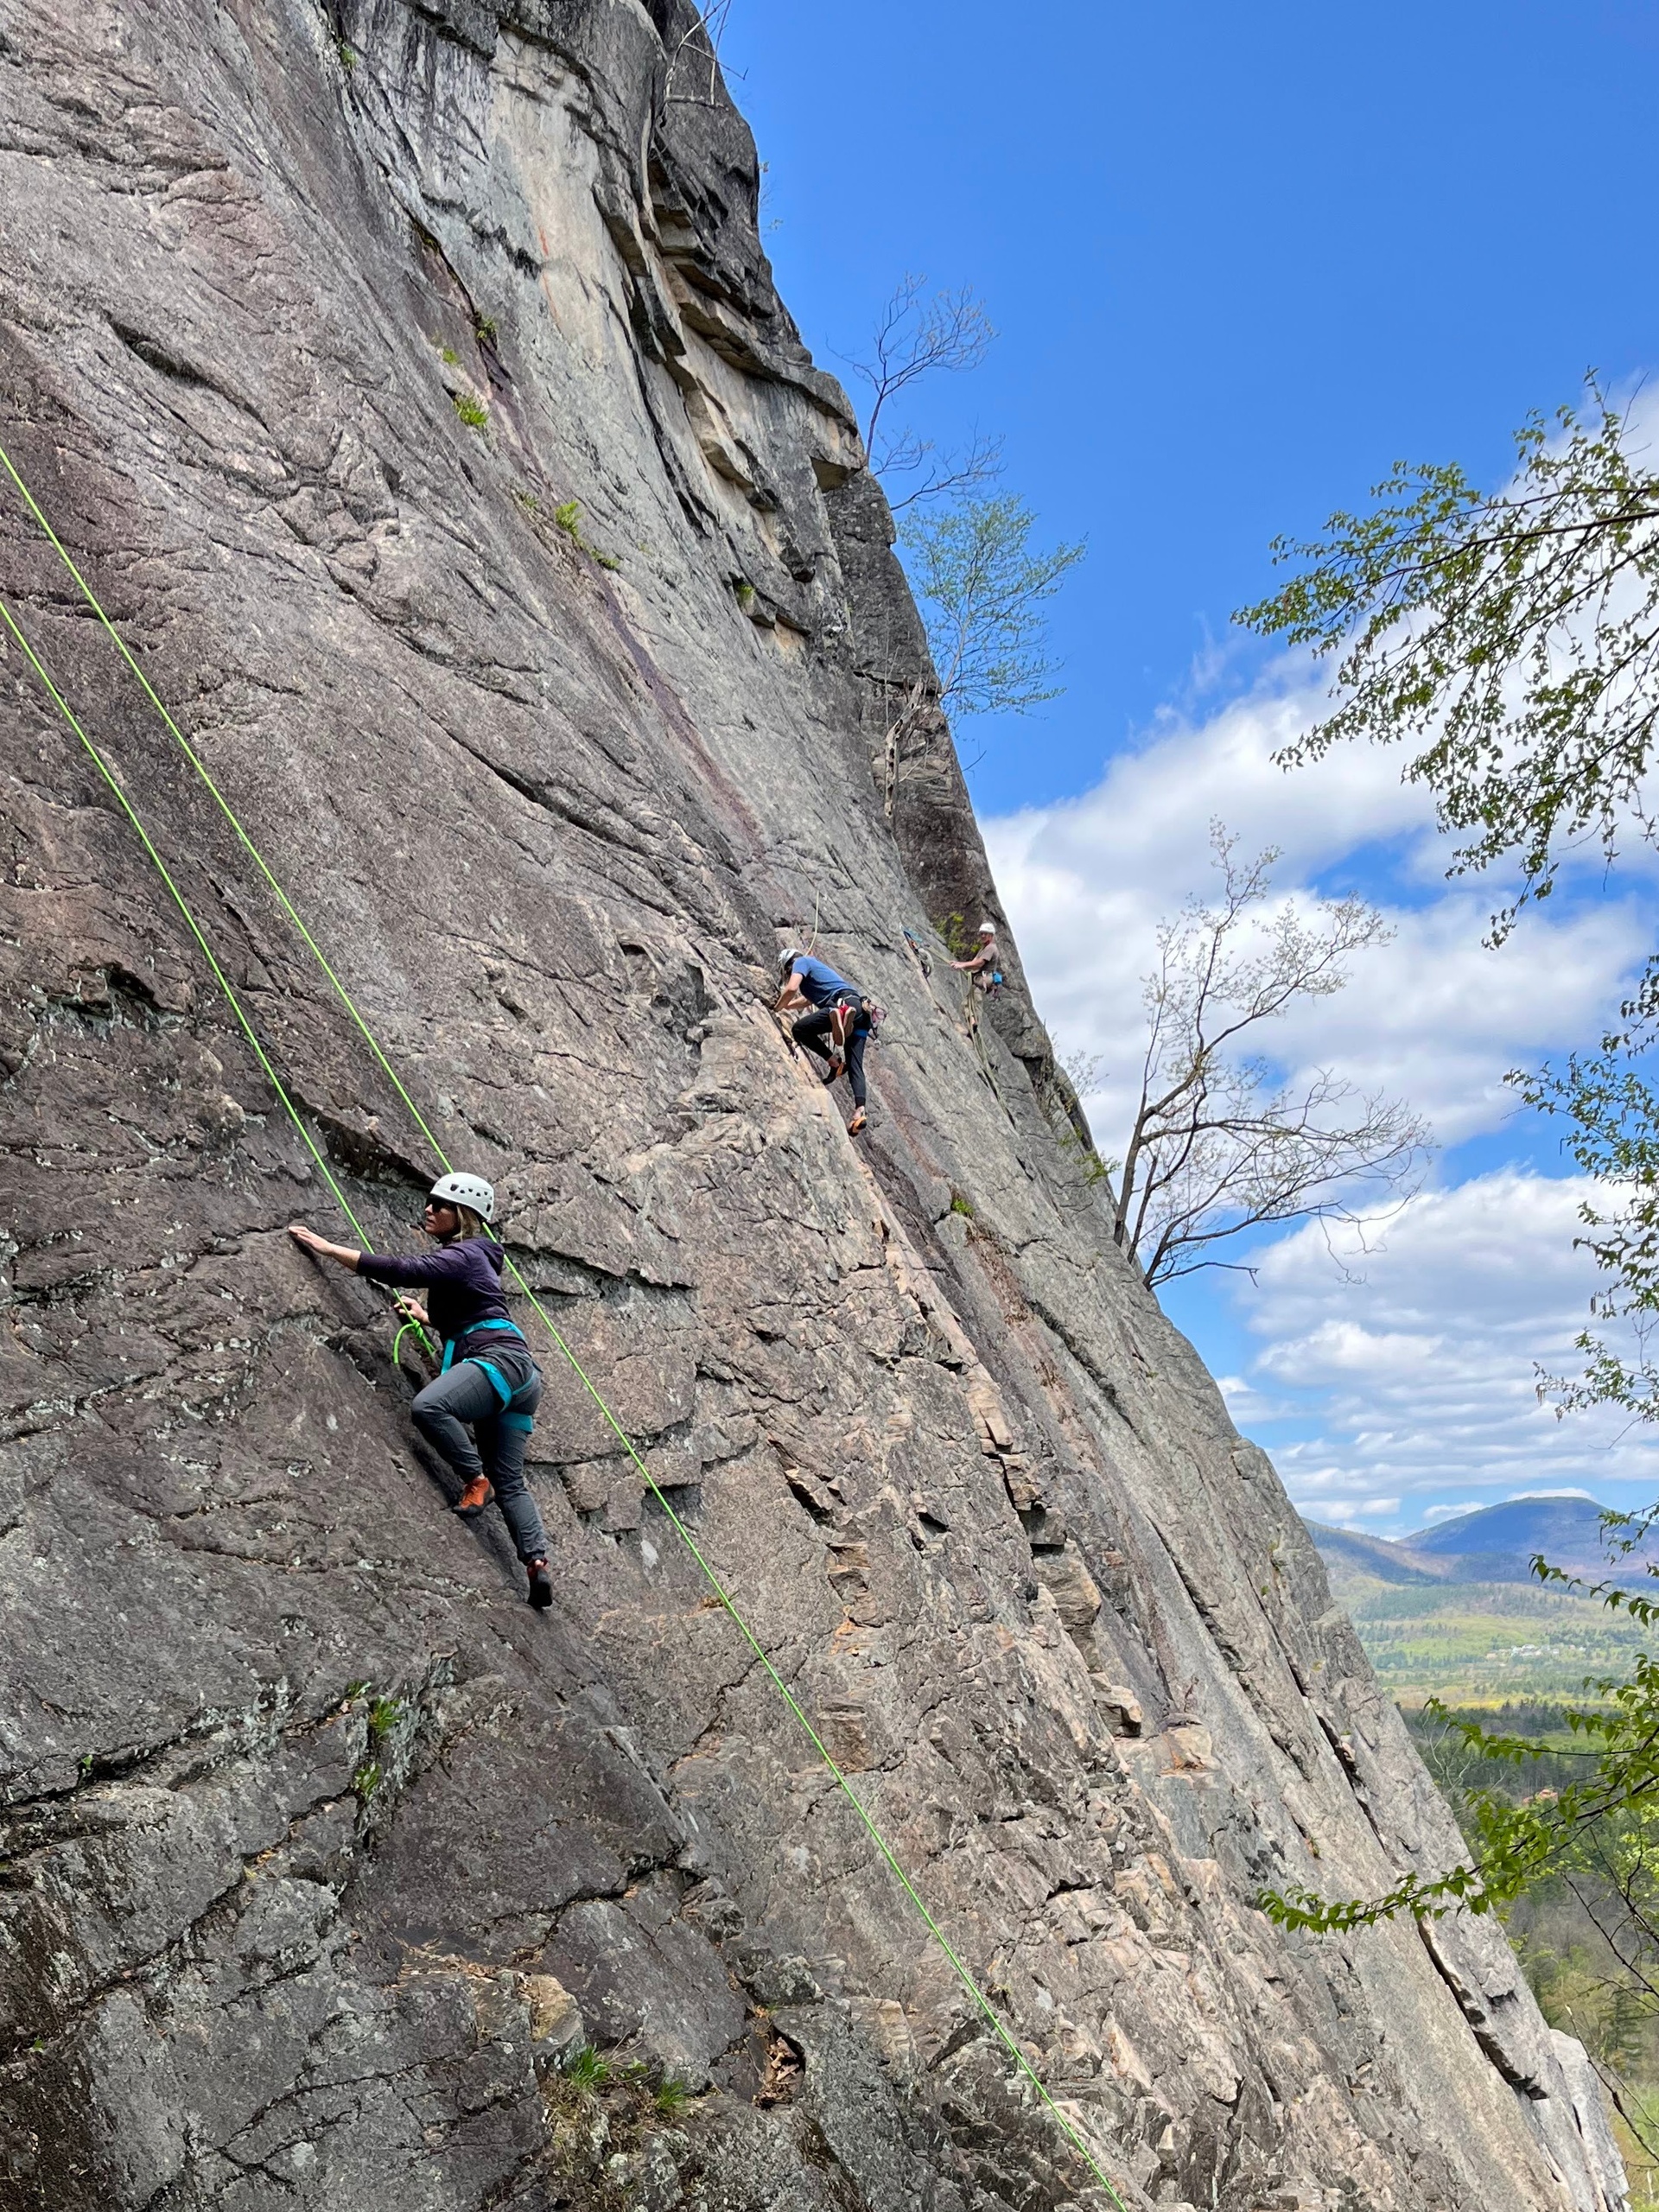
x,y
840,1022
473,1499
541,1584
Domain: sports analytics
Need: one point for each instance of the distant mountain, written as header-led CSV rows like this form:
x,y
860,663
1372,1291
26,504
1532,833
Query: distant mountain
x,y
1493,1543
1346,1554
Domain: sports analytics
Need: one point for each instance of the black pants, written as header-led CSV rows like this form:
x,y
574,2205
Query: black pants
x,y
813,1030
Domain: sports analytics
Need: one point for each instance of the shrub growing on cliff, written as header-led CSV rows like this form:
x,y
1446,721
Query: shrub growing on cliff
x,y
983,590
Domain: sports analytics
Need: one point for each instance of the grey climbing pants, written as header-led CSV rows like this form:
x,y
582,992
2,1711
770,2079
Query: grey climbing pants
x,y
466,1397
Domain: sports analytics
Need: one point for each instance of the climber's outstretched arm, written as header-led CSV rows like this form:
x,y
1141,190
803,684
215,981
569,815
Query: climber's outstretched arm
x,y
345,1253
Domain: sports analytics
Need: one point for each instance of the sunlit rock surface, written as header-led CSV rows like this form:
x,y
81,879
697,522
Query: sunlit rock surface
x,y
323,1853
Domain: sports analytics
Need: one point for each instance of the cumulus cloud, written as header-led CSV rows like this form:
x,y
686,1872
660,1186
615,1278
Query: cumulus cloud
x,y
1433,1014
1384,1379
1146,822
1404,1351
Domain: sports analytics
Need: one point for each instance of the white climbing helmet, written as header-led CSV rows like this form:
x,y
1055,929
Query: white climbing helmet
x,y
466,1191
789,956
988,929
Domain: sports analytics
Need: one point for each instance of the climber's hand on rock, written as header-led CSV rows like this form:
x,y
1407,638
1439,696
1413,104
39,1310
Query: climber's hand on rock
x,y
346,1254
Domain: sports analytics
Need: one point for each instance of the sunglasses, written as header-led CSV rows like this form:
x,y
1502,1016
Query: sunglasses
x,y
437,1205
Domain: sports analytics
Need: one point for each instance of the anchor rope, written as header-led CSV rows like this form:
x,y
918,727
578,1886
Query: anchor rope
x,y
967,1979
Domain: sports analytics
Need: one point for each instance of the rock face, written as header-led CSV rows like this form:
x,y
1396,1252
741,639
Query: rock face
x,y
323,1854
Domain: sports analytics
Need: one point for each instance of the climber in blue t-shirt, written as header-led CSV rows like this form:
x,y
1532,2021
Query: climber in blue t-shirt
x,y
837,1025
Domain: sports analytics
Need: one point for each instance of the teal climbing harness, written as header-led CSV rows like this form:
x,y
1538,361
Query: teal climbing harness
x,y
499,1381
969,1981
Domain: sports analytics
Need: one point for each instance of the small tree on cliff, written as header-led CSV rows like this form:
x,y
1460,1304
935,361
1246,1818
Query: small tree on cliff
x,y
982,588
1218,1144
983,591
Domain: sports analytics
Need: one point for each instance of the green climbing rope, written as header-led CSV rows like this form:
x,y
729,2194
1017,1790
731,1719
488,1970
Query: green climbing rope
x,y
183,905
964,1975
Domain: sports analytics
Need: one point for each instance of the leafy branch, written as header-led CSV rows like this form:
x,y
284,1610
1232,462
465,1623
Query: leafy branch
x,y
1513,636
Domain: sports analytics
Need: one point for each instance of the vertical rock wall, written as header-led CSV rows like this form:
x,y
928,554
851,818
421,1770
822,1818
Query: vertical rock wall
x,y
321,1849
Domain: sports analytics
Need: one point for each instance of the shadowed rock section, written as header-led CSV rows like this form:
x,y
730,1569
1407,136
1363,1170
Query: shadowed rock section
x,y
321,1851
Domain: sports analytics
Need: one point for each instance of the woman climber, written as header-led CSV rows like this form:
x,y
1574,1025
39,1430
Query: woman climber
x,y
835,1025
488,1380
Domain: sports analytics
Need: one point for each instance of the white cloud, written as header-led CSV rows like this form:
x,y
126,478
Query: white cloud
x,y
1437,1015
1414,1377
1146,824
1433,1014
1417,1372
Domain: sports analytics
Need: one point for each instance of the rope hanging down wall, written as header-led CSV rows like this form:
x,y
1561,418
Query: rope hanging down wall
x,y
967,1979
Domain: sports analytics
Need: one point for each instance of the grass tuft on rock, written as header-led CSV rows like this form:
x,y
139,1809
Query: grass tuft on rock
x,y
587,2069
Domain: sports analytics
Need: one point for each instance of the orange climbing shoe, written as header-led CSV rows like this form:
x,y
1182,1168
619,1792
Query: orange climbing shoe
x,y
473,1499
541,1584
855,1126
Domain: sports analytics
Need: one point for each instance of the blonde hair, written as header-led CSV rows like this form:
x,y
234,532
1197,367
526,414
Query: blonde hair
x,y
472,1224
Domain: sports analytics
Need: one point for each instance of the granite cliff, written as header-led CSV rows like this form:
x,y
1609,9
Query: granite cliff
x,y
321,1851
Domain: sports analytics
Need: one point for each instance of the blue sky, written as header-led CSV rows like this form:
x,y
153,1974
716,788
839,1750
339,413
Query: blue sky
x,y
1239,262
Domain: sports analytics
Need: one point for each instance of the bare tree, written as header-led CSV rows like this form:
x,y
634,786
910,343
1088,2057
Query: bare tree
x,y
915,336
1217,1145
698,48
958,473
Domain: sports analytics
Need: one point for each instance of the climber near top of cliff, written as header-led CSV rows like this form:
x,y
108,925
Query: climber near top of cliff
x,y
837,1025
488,1382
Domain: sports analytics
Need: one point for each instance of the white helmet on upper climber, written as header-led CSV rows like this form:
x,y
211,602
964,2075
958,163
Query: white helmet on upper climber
x,y
466,1191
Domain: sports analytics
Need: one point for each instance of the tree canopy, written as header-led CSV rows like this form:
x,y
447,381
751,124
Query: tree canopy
x,y
1513,636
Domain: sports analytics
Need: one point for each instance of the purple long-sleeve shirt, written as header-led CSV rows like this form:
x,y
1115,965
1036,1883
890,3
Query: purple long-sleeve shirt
x,y
462,1282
